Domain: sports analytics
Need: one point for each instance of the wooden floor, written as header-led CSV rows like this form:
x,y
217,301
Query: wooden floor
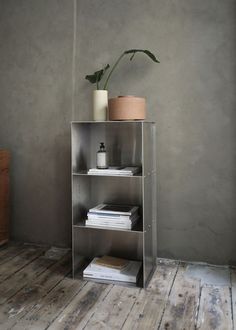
x,y
37,292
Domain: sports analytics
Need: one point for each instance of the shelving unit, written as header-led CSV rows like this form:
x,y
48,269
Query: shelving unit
x,y
129,143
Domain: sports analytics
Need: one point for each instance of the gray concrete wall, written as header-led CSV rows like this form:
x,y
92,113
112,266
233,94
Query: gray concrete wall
x,y
36,40
191,95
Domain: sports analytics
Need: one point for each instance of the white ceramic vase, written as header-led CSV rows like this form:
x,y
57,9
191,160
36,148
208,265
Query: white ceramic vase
x,y
100,105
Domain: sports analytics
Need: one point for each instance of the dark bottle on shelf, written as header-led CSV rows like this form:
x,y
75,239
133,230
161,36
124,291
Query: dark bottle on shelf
x,y
102,161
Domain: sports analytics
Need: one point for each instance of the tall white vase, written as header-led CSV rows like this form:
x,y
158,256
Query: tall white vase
x,y
100,105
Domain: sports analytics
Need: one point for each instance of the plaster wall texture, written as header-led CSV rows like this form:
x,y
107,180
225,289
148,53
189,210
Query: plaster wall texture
x,y
191,96
36,42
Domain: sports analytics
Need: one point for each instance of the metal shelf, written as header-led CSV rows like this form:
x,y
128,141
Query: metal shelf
x,y
128,142
84,173
138,228
112,121
139,175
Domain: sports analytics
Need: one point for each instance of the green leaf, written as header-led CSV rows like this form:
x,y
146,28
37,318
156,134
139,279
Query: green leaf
x,y
97,75
91,78
145,51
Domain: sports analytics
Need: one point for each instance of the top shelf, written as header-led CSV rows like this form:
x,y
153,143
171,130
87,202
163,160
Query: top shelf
x,y
128,143
111,121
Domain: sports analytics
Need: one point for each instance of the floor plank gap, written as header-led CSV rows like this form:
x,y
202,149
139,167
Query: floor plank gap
x,y
233,295
198,307
92,314
168,296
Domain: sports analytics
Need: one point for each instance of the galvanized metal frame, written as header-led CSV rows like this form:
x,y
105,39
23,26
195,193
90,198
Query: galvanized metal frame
x,y
88,242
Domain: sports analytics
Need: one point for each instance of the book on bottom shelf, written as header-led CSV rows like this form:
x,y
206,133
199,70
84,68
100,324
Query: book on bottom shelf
x,y
107,271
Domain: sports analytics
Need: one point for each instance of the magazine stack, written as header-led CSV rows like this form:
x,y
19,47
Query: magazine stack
x,y
115,170
113,216
113,269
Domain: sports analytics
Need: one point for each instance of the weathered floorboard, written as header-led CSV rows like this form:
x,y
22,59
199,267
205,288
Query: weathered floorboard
x,y
27,255
81,306
114,308
8,246
3,248
32,294
18,280
36,294
215,309
49,307
182,302
10,252
86,314
150,303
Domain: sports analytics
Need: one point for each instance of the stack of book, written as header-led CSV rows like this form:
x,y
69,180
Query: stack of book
x,y
114,269
113,216
115,170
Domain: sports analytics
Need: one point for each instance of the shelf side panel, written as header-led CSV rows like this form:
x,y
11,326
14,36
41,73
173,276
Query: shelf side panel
x,y
80,139
148,148
149,256
81,198
149,199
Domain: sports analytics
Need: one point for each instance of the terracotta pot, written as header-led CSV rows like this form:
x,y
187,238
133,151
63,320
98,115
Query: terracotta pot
x,y
127,108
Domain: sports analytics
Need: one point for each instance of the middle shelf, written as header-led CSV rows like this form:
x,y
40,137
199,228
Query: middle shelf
x,y
89,191
85,173
138,228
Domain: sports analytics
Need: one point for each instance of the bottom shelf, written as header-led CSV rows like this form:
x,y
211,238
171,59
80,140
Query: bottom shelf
x,y
82,263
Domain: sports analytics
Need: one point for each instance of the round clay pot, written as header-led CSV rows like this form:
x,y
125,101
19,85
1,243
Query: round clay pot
x,y
127,108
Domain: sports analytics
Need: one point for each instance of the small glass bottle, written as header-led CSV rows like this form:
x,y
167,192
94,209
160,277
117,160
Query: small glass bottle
x,y
102,161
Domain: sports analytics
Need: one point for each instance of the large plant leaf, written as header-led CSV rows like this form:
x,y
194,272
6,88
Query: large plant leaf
x,y
145,51
97,75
